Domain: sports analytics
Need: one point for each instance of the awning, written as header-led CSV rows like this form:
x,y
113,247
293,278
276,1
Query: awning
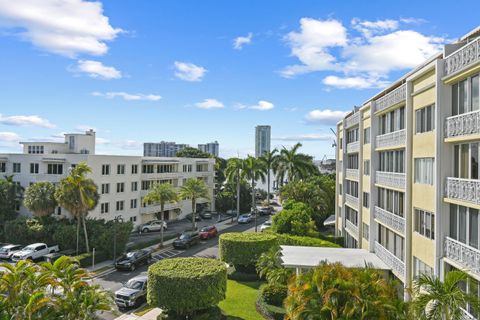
x,y
310,257
330,221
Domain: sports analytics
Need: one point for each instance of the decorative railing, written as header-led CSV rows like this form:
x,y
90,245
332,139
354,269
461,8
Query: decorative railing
x,y
390,219
397,265
351,201
463,124
392,98
351,228
353,146
463,58
463,254
466,315
352,120
390,179
463,189
391,139
352,174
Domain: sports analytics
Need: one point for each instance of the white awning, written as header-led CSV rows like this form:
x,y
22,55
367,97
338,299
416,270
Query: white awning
x,y
310,257
330,221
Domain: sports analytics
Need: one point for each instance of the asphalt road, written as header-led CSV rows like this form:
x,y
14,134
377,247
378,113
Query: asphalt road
x,y
113,280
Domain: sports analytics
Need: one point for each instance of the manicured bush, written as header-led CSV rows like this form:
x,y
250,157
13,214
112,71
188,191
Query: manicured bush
x,y
289,240
243,249
183,286
295,219
274,294
268,311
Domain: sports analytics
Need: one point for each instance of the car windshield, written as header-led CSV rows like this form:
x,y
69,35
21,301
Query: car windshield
x,y
184,236
4,249
134,284
206,229
29,248
130,254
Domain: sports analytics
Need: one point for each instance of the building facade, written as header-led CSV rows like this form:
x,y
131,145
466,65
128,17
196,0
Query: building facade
x,y
162,149
262,140
408,186
211,148
122,181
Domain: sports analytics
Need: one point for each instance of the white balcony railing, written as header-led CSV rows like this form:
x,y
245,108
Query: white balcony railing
x,y
351,228
463,254
396,138
390,219
392,98
463,58
390,179
463,124
352,174
351,201
463,189
397,265
466,315
353,147
352,120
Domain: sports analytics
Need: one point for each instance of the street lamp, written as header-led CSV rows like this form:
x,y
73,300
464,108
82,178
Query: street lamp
x,y
115,220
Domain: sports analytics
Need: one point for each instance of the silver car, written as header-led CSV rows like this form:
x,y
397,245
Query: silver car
x,y
154,225
7,251
133,293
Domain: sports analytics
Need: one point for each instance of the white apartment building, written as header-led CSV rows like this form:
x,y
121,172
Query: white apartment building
x,y
211,148
122,181
262,140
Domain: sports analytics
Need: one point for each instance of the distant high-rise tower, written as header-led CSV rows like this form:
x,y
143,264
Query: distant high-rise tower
x,y
211,147
162,149
262,140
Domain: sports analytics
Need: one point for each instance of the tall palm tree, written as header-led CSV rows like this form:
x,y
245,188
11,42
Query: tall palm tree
x,y
234,174
434,299
78,194
294,165
40,198
269,160
162,193
254,170
194,189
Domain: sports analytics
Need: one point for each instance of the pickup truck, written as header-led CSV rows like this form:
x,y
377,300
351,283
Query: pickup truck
x,y
133,293
35,251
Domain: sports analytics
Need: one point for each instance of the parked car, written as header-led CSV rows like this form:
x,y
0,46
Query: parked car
x,y
189,217
131,260
7,251
154,225
266,225
206,214
208,232
265,211
133,293
35,251
52,257
245,218
186,240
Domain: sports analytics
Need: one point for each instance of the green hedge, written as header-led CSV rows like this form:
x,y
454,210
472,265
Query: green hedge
x,y
183,286
85,259
268,311
289,240
243,249
274,294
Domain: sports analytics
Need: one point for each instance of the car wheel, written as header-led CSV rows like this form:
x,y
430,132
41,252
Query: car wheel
x,y
132,268
145,230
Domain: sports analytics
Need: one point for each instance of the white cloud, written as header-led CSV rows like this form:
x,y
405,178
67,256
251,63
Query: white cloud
x,y
209,104
26,121
325,117
262,105
96,69
128,96
68,27
239,42
368,28
189,71
358,82
306,137
9,137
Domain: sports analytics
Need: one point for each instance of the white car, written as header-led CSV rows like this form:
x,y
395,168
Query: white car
x,y
245,218
33,252
266,225
154,225
7,251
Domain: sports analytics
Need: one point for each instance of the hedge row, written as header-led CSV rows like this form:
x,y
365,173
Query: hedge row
x,y
289,240
268,311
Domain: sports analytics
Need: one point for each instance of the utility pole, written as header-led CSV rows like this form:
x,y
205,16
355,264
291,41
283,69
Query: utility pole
x,y
117,219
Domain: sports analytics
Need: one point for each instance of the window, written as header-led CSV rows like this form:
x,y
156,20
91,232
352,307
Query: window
x,y
120,169
104,207
341,143
424,170
3,167
466,95
120,205
133,203
392,161
391,241
17,167
134,186
392,201
366,167
147,168
35,149
120,187
59,211
392,121
340,189
187,168
425,119
352,135
351,215
366,135
366,197
105,169
34,168
55,168
134,168
202,167
352,161
105,188
351,188
464,225
133,219
424,223
166,168
365,230
420,267
465,161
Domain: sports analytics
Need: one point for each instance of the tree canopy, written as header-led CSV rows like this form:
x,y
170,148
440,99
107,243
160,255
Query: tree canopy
x,y
190,152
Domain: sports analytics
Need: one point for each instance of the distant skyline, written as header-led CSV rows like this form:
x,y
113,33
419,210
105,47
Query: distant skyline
x,y
140,71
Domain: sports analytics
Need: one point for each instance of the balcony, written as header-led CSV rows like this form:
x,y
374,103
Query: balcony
x,y
353,147
462,125
352,120
392,139
462,254
390,99
390,179
397,265
390,219
351,228
351,201
466,315
352,174
463,58
463,189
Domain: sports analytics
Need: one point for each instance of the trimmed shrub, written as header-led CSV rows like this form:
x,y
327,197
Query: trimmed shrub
x,y
183,286
242,250
274,294
294,219
268,311
289,240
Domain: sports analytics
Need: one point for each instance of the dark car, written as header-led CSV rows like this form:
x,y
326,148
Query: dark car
x,y
189,217
208,232
186,240
265,211
206,214
131,260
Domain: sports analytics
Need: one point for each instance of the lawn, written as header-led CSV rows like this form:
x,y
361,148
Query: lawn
x,y
240,301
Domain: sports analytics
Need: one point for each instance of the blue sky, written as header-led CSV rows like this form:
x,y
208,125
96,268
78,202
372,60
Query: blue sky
x,y
198,71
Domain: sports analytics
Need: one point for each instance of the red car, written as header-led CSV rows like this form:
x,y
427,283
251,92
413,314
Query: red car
x,y
208,232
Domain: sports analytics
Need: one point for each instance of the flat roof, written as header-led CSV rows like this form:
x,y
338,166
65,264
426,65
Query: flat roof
x,y
310,257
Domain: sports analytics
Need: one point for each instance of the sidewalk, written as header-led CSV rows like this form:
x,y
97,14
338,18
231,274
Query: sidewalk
x,y
150,315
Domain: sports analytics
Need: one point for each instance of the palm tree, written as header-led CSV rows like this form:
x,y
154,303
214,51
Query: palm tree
x,y
162,193
234,174
254,170
434,299
269,160
40,198
78,194
294,165
194,189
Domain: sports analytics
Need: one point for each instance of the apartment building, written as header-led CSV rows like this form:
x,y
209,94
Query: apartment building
x,y
211,148
122,181
262,140
408,186
162,149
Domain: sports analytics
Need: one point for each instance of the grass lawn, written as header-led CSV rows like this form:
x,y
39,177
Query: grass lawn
x,y
240,301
